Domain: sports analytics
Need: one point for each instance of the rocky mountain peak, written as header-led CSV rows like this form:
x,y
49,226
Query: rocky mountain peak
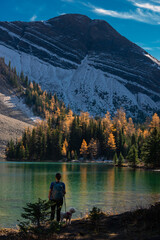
x,y
86,62
70,18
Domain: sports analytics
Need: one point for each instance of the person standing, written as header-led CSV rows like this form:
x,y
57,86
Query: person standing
x,y
56,194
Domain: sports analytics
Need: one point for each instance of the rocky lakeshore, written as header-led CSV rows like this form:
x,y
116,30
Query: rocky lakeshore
x,y
140,224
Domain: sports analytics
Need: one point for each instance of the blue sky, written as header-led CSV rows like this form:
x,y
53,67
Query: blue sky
x,y
138,20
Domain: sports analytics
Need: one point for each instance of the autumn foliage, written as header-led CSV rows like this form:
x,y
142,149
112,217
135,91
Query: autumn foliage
x,y
63,134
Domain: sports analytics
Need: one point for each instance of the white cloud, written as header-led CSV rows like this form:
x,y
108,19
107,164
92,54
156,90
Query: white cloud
x,y
139,14
148,6
144,47
61,13
124,15
33,18
148,48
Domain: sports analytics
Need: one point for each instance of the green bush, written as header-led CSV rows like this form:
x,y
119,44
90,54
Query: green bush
x,y
95,215
35,216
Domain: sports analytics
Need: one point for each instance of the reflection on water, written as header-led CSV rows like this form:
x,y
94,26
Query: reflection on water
x,y
87,185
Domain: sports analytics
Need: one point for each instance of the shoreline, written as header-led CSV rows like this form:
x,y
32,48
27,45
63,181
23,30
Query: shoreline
x,y
142,223
80,161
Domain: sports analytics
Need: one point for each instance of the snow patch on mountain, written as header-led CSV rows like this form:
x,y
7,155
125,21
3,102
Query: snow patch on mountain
x,y
85,88
36,69
145,101
153,59
9,32
99,94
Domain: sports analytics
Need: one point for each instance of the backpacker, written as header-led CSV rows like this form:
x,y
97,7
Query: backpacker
x,y
58,191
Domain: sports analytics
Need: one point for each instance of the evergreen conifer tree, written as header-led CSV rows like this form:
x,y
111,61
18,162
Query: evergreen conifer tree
x,y
10,150
69,155
151,149
21,155
120,160
115,159
133,156
27,152
36,213
75,155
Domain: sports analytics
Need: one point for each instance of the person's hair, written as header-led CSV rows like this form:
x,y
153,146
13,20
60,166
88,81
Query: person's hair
x,y
58,176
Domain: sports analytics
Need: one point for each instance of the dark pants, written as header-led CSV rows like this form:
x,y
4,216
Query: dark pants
x,y
58,205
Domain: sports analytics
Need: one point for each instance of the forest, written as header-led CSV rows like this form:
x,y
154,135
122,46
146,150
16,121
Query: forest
x,y
65,135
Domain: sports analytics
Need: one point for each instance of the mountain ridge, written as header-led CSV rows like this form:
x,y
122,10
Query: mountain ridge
x,y
86,62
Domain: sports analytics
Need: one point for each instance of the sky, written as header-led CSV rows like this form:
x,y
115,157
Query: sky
x,y
137,20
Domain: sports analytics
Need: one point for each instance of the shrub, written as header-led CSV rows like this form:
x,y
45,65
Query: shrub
x,y
95,215
36,215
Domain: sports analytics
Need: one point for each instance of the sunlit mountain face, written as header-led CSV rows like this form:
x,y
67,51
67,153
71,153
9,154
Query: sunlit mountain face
x,y
86,62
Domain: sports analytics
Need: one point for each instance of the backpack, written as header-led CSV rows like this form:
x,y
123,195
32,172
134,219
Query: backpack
x,y
58,191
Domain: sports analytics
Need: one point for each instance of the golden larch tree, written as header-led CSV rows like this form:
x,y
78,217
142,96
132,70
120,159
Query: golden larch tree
x,y
84,118
130,129
118,125
47,114
107,123
52,105
139,132
155,123
57,113
68,122
84,149
111,141
65,148
119,119
44,95
93,148
145,133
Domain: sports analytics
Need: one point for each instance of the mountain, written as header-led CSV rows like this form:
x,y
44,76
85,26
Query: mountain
x,y
86,62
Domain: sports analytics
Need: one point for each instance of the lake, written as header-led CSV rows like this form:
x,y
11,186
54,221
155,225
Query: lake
x,y
87,184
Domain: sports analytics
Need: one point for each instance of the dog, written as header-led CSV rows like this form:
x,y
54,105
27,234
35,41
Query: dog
x,y
68,215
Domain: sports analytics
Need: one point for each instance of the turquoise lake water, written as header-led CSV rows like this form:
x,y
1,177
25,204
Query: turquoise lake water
x,y
87,185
